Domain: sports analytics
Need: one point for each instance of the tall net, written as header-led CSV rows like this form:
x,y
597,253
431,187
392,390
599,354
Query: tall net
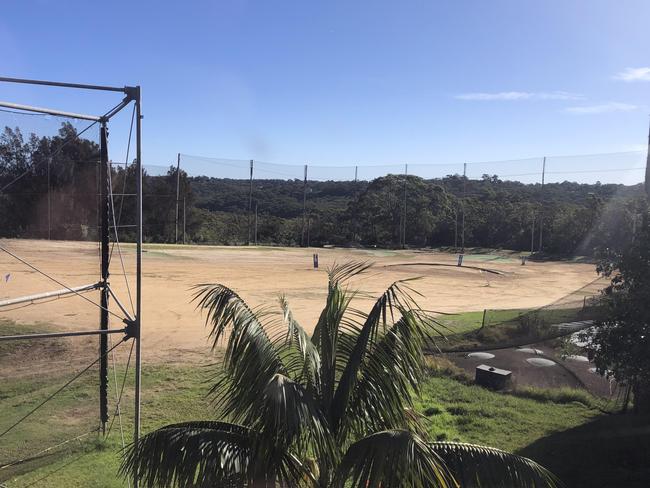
x,y
552,204
51,195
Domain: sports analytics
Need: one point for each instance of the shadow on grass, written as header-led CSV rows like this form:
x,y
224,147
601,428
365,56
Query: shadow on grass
x,y
612,451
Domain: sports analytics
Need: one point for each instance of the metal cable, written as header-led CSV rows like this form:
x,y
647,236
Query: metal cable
x,y
32,411
126,370
2,248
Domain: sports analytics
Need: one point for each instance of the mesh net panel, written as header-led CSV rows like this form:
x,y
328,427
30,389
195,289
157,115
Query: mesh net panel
x,y
477,204
49,233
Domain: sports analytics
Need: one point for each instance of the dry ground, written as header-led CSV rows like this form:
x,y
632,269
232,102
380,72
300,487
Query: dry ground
x,y
173,330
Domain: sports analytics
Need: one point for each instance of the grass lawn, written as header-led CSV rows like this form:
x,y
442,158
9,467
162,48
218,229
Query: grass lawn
x,y
176,393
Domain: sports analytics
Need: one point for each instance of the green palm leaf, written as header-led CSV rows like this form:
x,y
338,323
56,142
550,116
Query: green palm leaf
x,y
486,467
251,358
392,459
307,367
202,454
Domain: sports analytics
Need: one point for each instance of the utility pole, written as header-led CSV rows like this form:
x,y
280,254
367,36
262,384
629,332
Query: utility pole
x,y
178,189
541,209
304,209
462,208
250,203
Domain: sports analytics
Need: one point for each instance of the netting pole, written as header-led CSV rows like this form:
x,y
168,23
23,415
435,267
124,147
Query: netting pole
x,y
304,209
138,306
178,190
103,313
184,219
532,235
355,230
49,201
647,169
406,170
462,208
541,208
250,203
256,223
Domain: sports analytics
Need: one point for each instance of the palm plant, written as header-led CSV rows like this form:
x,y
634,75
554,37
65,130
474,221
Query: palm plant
x,y
332,410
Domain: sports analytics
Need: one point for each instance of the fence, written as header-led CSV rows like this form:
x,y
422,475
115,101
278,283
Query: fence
x,y
57,369
551,203
512,327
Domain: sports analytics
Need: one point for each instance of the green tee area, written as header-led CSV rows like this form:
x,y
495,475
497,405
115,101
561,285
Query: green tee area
x,y
565,430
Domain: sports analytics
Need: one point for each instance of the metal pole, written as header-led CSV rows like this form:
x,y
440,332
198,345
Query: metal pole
x,y
406,170
541,210
462,208
138,306
63,85
178,190
49,201
52,335
183,219
532,236
103,312
647,169
304,209
256,223
250,203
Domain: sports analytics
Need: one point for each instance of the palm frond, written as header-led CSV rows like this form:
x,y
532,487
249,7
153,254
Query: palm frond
x,y
339,273
288,417
392,459
391,307
298,341
392,369
486,467
326,339
251,358
194,454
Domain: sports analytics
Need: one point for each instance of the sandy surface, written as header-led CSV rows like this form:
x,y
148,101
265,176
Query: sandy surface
x,y
173,330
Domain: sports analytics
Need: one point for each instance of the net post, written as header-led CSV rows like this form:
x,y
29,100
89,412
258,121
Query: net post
x,y
178,189
250,202
406,171
541,208
647,169
462,207
138,307
304,209
104,240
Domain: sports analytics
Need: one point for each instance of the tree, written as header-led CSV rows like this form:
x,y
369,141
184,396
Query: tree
x,y
331,410
620,344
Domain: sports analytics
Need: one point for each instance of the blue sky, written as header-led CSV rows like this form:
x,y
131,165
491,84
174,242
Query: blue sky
x,y
342,82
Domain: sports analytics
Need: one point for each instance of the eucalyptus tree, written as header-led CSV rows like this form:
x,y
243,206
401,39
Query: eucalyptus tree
x,y
332,409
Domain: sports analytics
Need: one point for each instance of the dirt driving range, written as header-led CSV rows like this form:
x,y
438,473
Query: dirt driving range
x,y
173,330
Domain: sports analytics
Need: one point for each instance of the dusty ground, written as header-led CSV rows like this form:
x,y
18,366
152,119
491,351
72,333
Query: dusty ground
x,y
173,330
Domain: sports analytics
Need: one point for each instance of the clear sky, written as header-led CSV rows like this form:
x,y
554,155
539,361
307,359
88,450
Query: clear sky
x,y
345,82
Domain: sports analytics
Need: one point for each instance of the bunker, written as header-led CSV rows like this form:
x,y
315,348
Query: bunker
x,y
492,377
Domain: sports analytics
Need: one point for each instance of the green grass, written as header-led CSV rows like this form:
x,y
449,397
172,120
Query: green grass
x,y
170,394
173,393
473,414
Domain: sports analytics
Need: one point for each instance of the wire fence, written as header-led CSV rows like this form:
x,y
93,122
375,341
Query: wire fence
x,y
62,394
505,328
553,204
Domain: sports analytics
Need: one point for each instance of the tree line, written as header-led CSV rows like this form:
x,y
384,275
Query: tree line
x,y
52,191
